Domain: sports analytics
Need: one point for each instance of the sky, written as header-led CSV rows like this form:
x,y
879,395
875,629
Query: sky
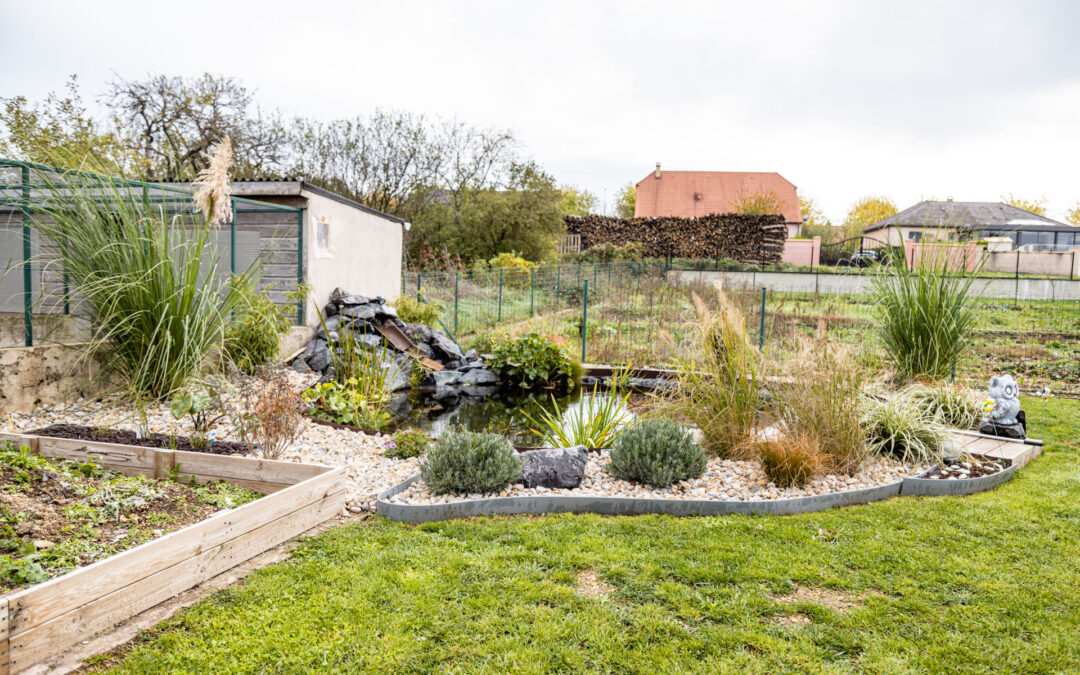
x,y
909,100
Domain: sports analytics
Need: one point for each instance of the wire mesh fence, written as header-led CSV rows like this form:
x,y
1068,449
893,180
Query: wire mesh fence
x,y
36,303
644,313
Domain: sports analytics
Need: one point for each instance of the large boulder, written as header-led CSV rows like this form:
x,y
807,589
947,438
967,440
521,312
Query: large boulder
x,y
331,327
558,468
479,376
444,346
358,311
418,332
320,356
342,297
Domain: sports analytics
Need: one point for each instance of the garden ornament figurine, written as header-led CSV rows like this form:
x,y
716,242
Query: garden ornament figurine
x,y
1004,417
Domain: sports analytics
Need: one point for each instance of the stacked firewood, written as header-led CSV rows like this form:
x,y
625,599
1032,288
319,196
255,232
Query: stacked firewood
x,y
758,239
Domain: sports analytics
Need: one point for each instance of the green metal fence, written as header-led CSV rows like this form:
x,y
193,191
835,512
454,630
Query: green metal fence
x,y
32,288
644,313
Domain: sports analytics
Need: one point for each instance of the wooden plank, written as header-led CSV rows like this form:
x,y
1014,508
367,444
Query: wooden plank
x,y
38,644
258,486
47,600
21,440
41,642
247,468
128,459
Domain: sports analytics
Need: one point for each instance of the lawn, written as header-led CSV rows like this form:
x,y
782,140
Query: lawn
x,y
987,583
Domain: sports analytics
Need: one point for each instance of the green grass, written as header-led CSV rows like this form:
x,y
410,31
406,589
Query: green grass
x,y
987,583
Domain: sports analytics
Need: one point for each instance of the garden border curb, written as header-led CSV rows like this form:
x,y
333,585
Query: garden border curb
x,y
620,506
936,487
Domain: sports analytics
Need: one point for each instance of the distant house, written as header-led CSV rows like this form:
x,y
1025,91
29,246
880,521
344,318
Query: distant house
x,y
690,194
956,221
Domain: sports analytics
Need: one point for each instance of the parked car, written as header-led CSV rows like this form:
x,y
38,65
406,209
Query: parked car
x,y
862,258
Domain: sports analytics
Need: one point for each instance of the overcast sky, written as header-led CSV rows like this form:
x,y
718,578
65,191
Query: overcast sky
x,y
970,100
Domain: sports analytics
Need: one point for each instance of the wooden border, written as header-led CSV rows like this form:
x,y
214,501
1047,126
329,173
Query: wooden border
x,y
38,622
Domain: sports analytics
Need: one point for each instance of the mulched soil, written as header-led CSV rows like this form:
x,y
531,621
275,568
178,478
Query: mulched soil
x,y
126,437
972,467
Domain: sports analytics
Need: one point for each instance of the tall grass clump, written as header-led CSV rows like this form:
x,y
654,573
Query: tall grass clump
x,y
718,388
926,316
138,271
898,427
594,423
791,460
818,397
952,405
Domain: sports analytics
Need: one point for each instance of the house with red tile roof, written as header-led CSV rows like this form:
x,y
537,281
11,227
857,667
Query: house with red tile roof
x,y
690,194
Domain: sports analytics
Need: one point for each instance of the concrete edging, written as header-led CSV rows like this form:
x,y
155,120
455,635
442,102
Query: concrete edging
x,y
933,487
620,506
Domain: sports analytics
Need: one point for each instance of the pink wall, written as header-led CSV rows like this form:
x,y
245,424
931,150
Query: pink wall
x,y
802,251
959,256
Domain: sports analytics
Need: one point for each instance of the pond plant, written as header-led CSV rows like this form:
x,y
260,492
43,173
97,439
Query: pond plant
x,y
533,360
593,423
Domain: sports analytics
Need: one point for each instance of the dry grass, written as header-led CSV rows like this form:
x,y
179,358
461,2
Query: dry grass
x,y
791,459
590,585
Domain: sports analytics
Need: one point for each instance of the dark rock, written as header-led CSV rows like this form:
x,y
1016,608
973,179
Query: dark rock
x,y
558,468
418,332
308,350
398,375
330,309
992,428
428,351
386,311
479,376
342,297
368,340
479,391
320,356
358,311
590,381
452,364
331,327
300,366
446,395
444,346
444,378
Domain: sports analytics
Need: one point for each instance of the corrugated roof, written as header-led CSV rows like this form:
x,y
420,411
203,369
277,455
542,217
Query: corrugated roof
x,y
689,194
967,215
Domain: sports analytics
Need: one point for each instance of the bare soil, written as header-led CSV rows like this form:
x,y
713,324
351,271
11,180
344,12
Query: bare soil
x,y
125,437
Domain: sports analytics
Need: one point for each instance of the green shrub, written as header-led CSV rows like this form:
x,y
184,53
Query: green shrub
x,y
631,251
791,460
657,453
411,310
406,443
254,334
899,427
952,405
531,360
467,462
926,317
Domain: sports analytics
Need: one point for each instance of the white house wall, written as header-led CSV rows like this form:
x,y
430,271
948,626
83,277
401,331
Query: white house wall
x,y
363,256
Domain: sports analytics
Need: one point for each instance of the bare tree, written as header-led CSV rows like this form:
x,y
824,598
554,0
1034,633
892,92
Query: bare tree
x,y
171,122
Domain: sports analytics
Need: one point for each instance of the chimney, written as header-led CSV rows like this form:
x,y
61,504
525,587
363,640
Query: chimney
x,y
657,174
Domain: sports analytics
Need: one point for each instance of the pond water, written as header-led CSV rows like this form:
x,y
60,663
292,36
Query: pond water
x,y
501,412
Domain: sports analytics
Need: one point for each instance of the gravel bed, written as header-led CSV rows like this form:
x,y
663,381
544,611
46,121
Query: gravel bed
x,y
369,473
724,480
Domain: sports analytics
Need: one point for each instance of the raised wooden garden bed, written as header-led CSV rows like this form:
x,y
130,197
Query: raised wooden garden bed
x,y
40,621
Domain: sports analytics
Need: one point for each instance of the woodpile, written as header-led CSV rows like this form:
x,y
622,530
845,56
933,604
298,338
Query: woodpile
x,y
757,239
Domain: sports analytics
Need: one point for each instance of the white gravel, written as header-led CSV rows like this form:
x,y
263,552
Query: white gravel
x,y
369,472
723,480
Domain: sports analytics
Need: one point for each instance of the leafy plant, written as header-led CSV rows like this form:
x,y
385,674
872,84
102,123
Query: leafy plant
x,y
819,399
718,388
345,403
594,423
411,310
145,277
204,406
533,360
254,334
406,443
952,405
899,427
926,316
656,453
467,462
792,459
279,412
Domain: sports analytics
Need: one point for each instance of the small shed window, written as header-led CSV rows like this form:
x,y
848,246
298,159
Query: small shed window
x,y
322,234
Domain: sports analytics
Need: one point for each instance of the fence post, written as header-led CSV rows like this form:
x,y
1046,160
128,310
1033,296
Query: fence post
x,y
500,292
761,328
299,265
1072,267
232,238
418,287
457,276
1016,277
584,320
532,297
28,300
